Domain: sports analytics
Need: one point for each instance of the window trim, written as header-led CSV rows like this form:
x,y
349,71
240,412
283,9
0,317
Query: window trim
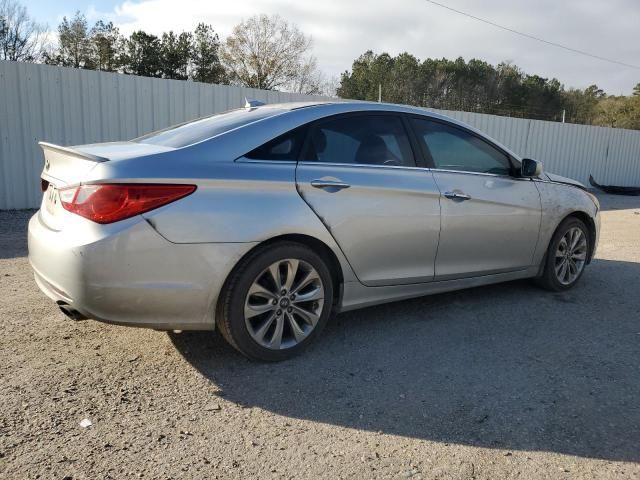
x,y
422,160
304,159
356,165
513,171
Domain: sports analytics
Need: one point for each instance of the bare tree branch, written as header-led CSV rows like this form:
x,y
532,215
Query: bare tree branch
x,y
21,38
269,53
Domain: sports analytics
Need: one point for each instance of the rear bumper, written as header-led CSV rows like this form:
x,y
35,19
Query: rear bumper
x,y
128,274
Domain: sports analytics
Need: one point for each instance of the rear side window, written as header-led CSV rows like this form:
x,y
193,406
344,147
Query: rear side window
x,y
285,147
193,132
453,148
361,139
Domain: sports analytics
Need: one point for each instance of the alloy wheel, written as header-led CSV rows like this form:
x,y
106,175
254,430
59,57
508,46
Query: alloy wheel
x,y
284,304
570,256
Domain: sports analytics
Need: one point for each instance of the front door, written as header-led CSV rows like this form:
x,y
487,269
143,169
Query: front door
x,y
490,218
358,174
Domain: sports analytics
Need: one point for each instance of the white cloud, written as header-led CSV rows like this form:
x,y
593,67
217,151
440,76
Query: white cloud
x,y
343,29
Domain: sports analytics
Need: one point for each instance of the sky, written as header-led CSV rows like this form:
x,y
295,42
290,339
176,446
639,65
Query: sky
x,y
344,29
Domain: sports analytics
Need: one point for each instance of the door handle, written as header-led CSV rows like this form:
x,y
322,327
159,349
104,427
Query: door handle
x,y
335,184
457,196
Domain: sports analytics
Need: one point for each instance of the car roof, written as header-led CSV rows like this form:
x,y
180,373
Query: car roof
x,y
339,106
265,122
333,107
355,106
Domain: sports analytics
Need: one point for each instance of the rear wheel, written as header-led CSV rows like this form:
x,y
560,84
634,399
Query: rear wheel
x,y
567,256
276,302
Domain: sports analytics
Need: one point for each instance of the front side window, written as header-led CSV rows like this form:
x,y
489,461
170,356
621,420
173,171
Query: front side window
x,y
453,148
361,139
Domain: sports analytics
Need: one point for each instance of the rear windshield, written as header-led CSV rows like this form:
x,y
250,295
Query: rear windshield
x,y
198,130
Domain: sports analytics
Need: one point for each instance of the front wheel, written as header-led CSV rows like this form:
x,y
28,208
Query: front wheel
x,y
276,302
567,256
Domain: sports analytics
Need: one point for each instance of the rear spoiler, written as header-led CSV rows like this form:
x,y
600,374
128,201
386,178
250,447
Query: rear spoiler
x,y
71,152
67,166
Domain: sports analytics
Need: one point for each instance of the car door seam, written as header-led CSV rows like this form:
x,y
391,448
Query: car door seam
x,y
325,224
435,258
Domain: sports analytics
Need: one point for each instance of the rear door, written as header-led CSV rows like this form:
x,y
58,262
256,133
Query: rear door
x,y
490,217
358,173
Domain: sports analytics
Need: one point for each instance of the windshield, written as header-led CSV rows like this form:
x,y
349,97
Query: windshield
x,y
196,131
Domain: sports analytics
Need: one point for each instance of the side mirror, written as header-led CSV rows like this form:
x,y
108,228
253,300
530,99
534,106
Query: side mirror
x,y
531,168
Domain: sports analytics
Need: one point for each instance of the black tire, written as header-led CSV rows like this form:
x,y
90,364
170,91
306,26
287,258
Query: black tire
x,y
549,279
230,317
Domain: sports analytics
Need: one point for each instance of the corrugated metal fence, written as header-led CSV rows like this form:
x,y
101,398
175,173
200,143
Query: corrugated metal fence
x,y
69,106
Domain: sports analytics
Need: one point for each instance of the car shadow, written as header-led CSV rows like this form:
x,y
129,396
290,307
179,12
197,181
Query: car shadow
x,y
507,366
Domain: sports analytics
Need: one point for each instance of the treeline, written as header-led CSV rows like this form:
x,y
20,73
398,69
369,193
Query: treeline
x,y
263,51
478,86
185,55
271,53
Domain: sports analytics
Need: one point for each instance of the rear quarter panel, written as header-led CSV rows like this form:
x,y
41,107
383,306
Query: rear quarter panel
x,y
242,202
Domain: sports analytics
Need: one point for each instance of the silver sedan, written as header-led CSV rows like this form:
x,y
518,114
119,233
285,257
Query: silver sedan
x,y
263,221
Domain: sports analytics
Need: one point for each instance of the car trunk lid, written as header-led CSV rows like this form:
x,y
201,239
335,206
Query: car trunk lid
x,y
69,166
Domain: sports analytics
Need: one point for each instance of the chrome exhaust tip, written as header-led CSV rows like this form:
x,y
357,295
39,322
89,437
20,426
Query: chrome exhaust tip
x,y
71,313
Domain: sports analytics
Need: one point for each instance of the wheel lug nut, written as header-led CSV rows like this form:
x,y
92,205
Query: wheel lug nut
x,y
293,297
278,313
289,309
274,302
283,292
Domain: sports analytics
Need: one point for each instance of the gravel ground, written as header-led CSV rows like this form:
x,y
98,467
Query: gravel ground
x,y
505,381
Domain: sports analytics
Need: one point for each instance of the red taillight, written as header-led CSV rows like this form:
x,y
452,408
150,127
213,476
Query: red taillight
x,y
44,184
108,203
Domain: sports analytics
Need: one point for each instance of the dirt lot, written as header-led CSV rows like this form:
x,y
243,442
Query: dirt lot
x,y
505,381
